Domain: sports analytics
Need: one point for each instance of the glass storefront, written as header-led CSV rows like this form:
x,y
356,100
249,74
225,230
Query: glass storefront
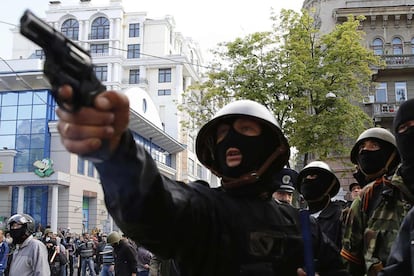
x,y
24,116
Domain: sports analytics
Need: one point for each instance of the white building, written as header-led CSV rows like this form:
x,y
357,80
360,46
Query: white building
x,y
144,58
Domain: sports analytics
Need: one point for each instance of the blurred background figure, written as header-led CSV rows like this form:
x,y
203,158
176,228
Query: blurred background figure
x,y
4,252
30,256
355,189
107,257
286,182
318,185
144,257
125,255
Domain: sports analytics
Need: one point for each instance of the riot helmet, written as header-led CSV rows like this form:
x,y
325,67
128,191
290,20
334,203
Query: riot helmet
x,y
113,238
272,145
20,226
317,190
376,163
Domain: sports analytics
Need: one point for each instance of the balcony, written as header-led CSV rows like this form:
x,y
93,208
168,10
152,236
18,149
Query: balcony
x,y
141,81
105,54
398,61
98,37
384,110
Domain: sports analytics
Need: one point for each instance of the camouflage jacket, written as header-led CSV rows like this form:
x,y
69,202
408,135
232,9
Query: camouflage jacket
x,y
373,223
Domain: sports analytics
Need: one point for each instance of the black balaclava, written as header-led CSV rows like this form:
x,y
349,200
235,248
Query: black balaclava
x,y
360,178
19,235
405,142
255,150
371,162
312,189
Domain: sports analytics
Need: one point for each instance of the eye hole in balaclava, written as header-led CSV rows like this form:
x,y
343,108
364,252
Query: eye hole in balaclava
x,y
253,149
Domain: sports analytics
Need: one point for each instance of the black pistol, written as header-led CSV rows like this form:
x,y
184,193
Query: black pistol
x,y
66,62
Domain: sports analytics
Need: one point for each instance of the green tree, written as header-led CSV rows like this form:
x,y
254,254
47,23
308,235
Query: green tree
x,y
328,74
311,81
244,69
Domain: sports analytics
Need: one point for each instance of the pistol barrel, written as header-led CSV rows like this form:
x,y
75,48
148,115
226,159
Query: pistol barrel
x,y
36,30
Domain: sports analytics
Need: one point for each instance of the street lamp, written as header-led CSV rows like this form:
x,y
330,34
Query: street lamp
x,y
330,96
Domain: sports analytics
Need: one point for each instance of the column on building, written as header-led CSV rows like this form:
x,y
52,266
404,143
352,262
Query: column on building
x,y
54,208
179,79
20,200
143,72
83,33
188,82
112,34
115,75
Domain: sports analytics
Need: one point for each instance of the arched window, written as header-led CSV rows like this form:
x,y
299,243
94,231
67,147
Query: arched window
x,y
100,28
378,46
70,28
412,46
397,46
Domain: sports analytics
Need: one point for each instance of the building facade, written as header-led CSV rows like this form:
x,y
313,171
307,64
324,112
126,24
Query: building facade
x,y
389,34
144,58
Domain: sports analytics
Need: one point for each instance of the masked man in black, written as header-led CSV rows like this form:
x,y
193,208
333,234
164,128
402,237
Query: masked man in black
x,y
237,229
401,258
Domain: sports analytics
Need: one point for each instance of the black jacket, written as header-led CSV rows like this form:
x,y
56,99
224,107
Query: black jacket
x,y
125,256
331,222
206,231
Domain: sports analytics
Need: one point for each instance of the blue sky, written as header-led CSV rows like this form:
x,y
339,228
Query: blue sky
x,y
207,22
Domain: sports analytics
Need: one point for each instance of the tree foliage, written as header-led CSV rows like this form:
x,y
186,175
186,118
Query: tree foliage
x,y
313,82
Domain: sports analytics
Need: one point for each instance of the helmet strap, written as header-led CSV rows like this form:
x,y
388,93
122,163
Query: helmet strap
x,y
383,170
326,193
251,177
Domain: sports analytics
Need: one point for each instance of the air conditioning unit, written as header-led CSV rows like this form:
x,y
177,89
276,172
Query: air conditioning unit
x,y
368,99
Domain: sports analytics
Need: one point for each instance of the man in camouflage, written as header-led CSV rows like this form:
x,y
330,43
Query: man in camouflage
x,y
374,219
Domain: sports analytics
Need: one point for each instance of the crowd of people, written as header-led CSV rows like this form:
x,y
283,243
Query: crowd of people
x,y
32,251
250,225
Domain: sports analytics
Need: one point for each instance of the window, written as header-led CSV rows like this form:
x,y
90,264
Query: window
x,y
101,72
144,105
100,28
397,46
81,165
164,75
412,46
23,123
164,92
133,50
381,93
134,30
70,28
199,171
378,46
190,143
400,91
191,166
99,49
90,169
40,54
134,76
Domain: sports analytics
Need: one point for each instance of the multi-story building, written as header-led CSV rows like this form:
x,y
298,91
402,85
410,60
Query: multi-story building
x,y
389,34
142,57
